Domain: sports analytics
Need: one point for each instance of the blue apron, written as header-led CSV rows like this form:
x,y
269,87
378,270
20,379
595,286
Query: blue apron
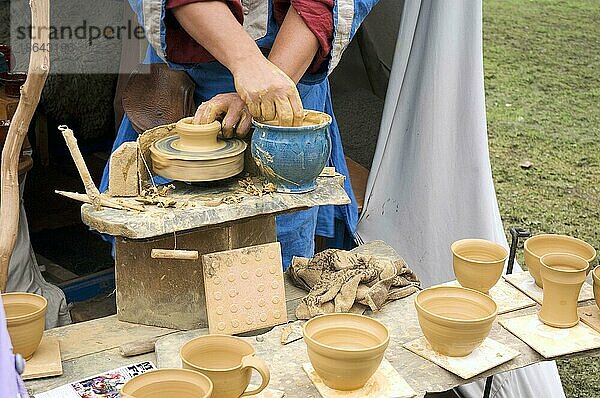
x,y
295,231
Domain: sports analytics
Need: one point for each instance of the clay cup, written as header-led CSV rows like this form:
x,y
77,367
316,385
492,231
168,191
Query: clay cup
x,y
227,361
345,349
168,383
455,320
596,279
563,275
478,263
537,246
25,319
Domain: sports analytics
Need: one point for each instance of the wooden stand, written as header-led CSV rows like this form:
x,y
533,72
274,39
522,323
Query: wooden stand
x,y
168,292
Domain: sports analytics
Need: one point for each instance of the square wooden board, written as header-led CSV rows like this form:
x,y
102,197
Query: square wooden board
x,y
386,382
525,283
506,296
46,360
244,289
485,357
552,342
590,315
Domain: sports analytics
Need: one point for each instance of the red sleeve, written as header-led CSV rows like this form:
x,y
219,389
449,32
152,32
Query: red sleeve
x,y
181,47
318,16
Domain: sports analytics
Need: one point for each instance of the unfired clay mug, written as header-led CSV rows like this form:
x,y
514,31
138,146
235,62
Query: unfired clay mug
x,y
227,361
478,263
25,320
563,275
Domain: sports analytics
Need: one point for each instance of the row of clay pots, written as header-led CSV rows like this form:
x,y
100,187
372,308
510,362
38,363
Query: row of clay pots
x,y
344,349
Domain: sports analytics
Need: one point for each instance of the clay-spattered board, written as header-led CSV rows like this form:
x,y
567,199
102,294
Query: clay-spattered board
x,y
552,342
244,289
590,315
386,382
525,283
506,296
46,361
485,357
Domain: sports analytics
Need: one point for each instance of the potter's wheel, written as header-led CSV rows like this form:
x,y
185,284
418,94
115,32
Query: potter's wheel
x,y
195,154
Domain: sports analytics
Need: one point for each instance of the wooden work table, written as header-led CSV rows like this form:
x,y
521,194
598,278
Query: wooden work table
x,y
93,347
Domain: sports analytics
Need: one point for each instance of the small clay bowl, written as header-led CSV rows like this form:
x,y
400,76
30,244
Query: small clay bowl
x,y
478,263
538,245
168,383
596,279
25,319
455,320
345,349
12,83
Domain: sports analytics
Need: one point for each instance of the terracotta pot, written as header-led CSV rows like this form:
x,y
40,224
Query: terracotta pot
x,y
227,361
478,263
455,320
596,278
25,319
198,137
563,275
537,246
345,349
168,383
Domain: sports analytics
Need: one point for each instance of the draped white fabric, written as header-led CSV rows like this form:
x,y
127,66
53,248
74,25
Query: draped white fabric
x,y
431,181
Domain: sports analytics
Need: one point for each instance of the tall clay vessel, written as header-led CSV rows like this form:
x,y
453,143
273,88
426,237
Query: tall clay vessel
x,y
25,320
563,275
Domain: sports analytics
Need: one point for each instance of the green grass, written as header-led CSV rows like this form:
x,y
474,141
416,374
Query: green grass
x,y
542,77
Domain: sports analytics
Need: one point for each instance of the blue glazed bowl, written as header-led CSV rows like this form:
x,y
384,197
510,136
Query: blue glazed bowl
x,y
292,157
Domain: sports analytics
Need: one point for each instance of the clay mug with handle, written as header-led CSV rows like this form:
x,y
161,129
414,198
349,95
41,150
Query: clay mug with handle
x,y
227,361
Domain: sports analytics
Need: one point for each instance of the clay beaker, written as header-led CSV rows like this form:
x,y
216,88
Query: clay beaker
x,y
596,279
168,383
227,361
563,275
478,263
25,320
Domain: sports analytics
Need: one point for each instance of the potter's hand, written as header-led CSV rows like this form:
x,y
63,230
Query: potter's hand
x,y
236,120
268,92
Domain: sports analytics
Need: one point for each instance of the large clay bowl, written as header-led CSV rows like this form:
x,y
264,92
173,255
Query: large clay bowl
x,y
345,349
537,246
25,319
168,383
596,279
478,263
292,157
455,320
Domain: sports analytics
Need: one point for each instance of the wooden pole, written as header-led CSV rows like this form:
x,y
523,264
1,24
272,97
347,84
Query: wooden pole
x,y
39,65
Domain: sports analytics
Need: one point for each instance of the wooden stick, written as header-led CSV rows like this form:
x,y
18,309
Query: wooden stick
x,y
139,347
114,204
84,173
175,254
39,65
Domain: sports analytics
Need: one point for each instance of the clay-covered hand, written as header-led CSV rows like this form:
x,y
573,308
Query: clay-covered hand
x,y
269,93
236,117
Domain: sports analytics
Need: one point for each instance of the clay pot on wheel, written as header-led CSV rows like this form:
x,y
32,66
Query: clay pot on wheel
x,y
455,320
563,275
292,157
478,263
227,361
25,319
168,383
596,279
345,349
537,246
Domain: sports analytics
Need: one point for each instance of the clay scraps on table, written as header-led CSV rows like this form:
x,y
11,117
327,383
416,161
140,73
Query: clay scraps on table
x,y
342,281
153,195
